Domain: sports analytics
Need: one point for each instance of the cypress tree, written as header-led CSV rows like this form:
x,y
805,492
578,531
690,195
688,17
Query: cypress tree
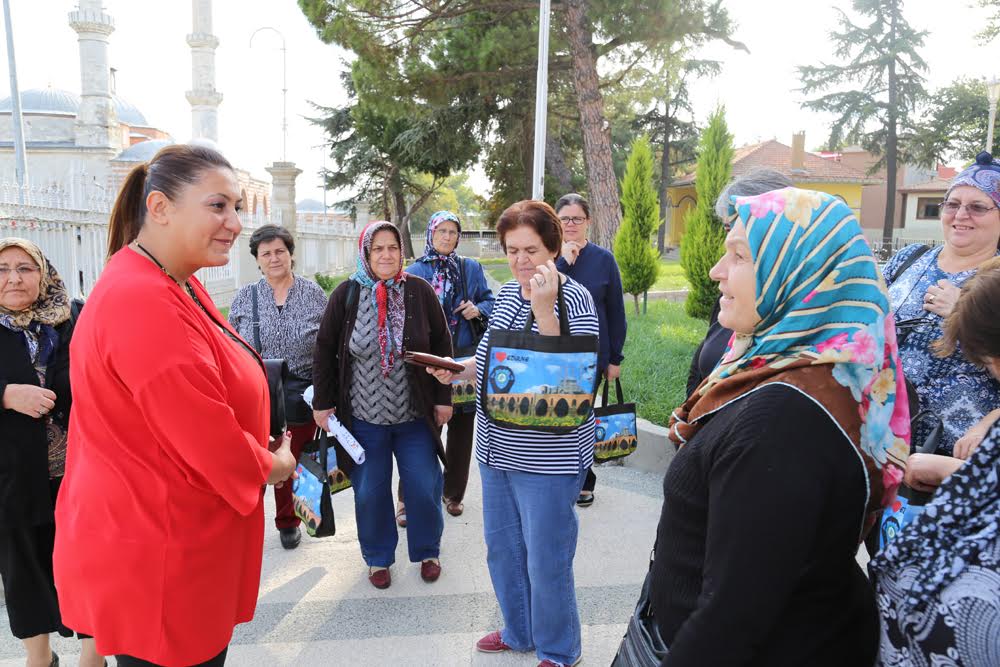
x,y
637,259
704,236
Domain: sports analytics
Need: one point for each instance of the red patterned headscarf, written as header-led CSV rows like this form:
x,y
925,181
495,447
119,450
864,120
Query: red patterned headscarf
x,y
387,295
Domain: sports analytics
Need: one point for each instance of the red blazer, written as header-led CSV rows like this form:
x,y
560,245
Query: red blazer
x,y
160,515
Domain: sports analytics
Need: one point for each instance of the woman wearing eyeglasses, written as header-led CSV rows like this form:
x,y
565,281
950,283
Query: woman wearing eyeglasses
x,y
923,288
595,268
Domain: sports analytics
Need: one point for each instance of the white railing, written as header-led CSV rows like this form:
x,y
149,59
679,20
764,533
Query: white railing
x,y
883,251
71,228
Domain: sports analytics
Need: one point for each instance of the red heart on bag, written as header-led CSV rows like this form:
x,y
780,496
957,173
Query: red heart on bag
x,y
896,505
500,356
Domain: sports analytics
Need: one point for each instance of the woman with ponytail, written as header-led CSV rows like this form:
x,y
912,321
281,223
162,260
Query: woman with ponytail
x,y
160,516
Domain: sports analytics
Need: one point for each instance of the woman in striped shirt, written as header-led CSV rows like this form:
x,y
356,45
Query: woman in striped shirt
x,y
531,479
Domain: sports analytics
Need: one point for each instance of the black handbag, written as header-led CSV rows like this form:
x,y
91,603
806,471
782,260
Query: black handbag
x,y
480,324
295,410
276,371
642,645
540,383
311,489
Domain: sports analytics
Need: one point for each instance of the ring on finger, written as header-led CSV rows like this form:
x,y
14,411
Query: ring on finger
x,y
930,299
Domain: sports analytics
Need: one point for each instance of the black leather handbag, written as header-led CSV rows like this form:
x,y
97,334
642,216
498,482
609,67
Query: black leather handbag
x,y
294,409
277,372
642,645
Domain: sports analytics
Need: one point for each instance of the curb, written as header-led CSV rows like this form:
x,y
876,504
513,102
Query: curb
x,y
670,295
654,452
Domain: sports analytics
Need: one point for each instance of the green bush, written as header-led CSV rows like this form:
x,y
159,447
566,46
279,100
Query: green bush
x,y
702,243
634,252
328,283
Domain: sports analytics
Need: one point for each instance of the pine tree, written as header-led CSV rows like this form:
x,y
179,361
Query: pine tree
x,y
637,259
702,244
887,70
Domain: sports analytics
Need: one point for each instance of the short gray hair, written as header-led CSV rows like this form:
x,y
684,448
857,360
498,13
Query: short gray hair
x,y
754,182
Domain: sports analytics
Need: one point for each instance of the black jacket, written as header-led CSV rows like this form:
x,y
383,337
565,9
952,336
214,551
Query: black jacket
x,y
425,330
25,497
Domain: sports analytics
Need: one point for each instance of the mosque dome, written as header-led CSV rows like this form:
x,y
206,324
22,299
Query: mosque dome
x,y
50,101
142,151
56,102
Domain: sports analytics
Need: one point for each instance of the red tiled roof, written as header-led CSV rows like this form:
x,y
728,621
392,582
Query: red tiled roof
x,y
775,155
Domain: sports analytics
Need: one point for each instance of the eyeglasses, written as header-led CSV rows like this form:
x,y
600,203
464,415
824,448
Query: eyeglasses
x,y
975,209
445,232
573,221
23,271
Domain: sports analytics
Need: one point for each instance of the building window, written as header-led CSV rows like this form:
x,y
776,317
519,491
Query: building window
x,y
929,208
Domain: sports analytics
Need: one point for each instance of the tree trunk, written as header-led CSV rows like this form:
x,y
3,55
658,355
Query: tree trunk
x,y
400,216
603,187
665,210
890,145
555,160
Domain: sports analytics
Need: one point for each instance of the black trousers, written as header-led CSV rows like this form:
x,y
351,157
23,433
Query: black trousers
x,y
591,481
26,569
129,661
458,453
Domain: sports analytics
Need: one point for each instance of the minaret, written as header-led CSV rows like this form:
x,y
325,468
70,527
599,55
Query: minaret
x,y
96,122
204,98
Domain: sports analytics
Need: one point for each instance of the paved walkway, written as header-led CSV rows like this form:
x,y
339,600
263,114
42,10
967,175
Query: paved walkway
x,y
316,606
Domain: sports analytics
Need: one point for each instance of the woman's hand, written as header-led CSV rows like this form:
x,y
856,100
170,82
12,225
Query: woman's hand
x,y
613,372
29,399
570,251
447,377
544,290
321,417
468,310
926,472
967,444
941,298
442,414
284,462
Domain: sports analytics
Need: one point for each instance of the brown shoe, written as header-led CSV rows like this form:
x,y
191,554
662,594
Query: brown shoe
x,y
454,508
379,578
401,515
430,571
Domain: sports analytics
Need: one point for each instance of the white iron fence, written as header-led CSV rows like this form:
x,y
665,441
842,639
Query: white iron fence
x,y
71,228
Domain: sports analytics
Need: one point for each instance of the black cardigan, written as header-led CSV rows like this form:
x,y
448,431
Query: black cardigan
x,y
25,497
755,556
425,330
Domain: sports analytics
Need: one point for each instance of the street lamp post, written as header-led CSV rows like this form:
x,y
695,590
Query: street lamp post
x,y
541,102
993,93
284,88
20,160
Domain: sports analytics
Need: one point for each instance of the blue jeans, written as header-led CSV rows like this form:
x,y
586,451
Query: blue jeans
x,y
374,509
530,525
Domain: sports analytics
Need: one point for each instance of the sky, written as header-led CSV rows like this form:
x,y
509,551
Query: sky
x,y
149,50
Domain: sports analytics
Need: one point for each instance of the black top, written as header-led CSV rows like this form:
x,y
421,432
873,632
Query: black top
x,y
709,352
25,496
755,556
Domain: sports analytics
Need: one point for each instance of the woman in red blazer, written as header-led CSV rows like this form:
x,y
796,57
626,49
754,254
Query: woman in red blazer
x,y
160,518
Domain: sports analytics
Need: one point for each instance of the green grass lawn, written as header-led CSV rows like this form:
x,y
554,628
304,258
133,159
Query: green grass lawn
x,y
657,358
671,277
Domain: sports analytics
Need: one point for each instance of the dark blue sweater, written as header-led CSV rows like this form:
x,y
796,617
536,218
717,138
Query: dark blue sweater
x,y
595,268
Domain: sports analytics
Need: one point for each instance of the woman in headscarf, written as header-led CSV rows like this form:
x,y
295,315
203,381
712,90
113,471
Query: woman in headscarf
x,y
938,582
372,318
35,332
460,285
787,451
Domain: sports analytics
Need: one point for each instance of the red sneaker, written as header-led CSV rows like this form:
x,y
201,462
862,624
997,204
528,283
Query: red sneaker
x,y
492,643
430,571
550,663
380,578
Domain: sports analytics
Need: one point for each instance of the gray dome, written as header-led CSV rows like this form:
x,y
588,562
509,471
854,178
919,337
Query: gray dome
x,y
128,113
142,151
45,101
56,102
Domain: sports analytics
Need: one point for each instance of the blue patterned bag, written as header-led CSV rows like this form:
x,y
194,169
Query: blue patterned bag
x,y
311,489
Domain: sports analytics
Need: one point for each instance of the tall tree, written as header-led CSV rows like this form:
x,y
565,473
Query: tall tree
x,y
702,245
633,250
955,126
884,63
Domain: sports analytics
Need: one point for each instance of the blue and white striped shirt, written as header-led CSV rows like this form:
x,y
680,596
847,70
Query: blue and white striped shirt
x,y
526,450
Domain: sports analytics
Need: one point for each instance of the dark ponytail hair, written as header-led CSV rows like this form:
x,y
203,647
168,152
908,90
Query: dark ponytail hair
x,y
170,171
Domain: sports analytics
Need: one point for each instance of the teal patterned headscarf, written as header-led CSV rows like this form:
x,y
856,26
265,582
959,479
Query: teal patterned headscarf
x,y
823,306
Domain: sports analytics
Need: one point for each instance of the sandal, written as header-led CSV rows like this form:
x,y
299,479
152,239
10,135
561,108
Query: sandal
x,y
401,515
454,508
586,499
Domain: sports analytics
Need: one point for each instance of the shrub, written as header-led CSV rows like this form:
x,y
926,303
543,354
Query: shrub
x,y
634,252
